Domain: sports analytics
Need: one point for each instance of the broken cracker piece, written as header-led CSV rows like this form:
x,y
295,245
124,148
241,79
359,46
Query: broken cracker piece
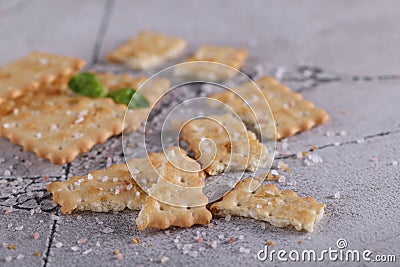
x,y
176,199
266,202
292,114
37,70
60,126
222,143
152,89
208,70
148,50
112,189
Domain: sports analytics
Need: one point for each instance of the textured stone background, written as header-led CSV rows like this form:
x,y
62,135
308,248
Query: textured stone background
x,y
343,55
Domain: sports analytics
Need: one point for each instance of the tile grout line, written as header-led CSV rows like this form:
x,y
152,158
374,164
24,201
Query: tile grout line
x,y
102,31
53,227
367,137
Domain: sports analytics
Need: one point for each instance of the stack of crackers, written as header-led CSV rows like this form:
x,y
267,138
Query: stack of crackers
x,y
39,113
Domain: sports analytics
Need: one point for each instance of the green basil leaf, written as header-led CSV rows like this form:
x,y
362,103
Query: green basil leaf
x,y
124,96
87,84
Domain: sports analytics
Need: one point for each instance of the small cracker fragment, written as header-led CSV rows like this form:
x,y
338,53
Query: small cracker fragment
x,y
233,57
37,70
112,189
291,112
268,203
60,126
183,187
152,89
235,149
148,50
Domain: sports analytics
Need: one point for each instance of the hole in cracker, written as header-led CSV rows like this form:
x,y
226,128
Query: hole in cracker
x,y
161,208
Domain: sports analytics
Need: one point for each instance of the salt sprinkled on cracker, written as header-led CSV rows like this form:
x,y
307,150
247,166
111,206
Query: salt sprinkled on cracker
x,y
268,203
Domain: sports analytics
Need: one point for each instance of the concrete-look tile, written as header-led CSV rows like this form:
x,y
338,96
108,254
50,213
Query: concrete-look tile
x,y
359,109
64,27
15,162
339,35
18,228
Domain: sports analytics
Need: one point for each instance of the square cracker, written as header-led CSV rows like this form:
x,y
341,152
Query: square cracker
x,y
235,149
292,113
112,189
233,57
60,126
34,71
152,89
148,50
180,184
268,203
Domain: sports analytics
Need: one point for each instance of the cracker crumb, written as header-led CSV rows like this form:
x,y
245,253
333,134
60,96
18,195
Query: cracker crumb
x,y
8,210
37,254
136,240
231,240
301,241
36,236
200,240
271,243
81,240
38,135
12,246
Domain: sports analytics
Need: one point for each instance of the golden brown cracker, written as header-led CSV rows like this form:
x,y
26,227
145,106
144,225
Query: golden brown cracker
x,y
268,203
292,114
112,189
176,199
148,50
233,57
35,70
60,126
234,149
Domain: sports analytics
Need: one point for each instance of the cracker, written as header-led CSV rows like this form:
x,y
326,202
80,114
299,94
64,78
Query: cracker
x,y
152,89
112,189
176,199
235,149
148,50
292,114
37,70
226,55
60,126
268,203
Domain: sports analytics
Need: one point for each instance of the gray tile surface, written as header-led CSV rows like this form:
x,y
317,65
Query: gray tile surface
x,y
341,55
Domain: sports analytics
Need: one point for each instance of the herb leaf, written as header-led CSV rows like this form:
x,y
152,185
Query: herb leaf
x,y
87,84
124,96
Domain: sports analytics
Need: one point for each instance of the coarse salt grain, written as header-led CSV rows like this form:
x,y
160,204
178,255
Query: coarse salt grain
x,y
19,228
59,245
115,179
104,179
20,257
87,251
81,180
337,195
74,248
16,111
117,191
90,176
79,120
6,125
258,206
228,217
395,163
137,193
38,135
8,258
129,187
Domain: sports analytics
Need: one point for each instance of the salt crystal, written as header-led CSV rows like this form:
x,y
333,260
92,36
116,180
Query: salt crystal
x,y
241,237
129,187
274,172
90,176
20,257
6,125
117,191
336,144
360,141
104,179
75,248
79,120
134,171
59,245
221,236
81,180
137,193
19,228
299,155
228,217
107,230
244,250
87,251
16,111
78,135
115,179
258,206
263,226
342,133
213,244
8,258
97,244
79,217
395,163
329,134
38,135
176,240
337,195
164,259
